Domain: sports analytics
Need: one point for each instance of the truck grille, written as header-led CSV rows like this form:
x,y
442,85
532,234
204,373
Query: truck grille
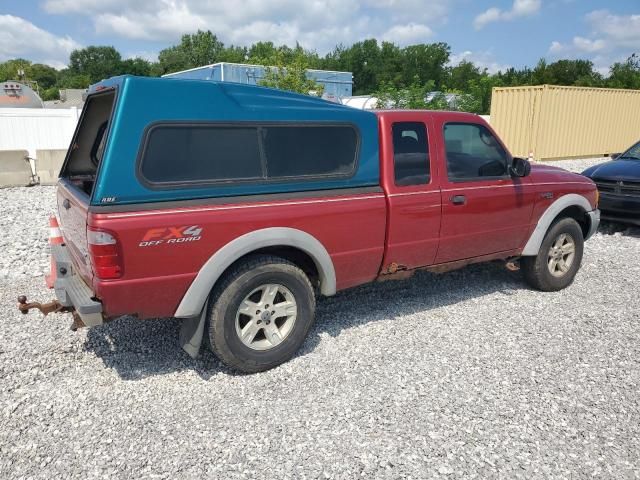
x,y
619,187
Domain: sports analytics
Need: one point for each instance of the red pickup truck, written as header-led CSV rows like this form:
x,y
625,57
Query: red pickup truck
x,y
235,208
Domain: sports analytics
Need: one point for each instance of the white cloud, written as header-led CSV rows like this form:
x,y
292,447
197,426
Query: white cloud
x,y
144,54
480,59
523,8
21,38
612,38
72,6
520,8
578,45
411,33
556,47
166,22
319,24
491,15
586,45
622,31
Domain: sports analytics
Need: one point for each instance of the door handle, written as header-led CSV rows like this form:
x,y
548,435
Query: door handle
x,y
66,204
458,199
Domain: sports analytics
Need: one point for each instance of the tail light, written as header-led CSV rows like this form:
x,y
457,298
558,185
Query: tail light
x,y
105,254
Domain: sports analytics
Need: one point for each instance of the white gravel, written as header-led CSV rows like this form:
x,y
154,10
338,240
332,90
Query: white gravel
x,y
465,375
24,231
577,165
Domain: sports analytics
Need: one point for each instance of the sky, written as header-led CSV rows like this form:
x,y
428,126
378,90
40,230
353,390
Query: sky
x,y
495,34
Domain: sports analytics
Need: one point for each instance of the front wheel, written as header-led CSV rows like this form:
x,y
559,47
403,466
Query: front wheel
x,y
559,258
261,314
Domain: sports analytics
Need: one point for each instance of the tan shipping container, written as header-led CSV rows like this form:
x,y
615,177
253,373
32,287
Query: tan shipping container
x,y
556,122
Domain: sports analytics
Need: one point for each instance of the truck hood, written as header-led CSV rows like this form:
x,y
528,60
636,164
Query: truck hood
x,y
628,170
540,173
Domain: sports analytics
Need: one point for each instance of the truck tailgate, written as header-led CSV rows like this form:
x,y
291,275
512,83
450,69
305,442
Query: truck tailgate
x,y
72,212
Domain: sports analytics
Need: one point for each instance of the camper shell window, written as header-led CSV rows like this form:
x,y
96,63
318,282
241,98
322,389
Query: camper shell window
x,y
89,141
174,154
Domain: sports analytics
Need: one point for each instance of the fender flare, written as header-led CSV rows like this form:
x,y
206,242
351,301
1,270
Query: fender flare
x,y
551,213
194,300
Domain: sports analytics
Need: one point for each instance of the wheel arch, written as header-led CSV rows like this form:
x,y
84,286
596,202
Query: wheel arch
x,y
290,243
571,205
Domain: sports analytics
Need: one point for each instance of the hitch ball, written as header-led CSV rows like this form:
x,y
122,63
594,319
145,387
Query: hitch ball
x,y
22,300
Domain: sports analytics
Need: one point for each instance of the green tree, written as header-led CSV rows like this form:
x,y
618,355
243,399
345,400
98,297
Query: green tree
x,y
399,76
201,48
45,75
172,59
391,67
476,98
333,60
363,60
136,66
234,54
70,79
52,93
513,77
290,76
427,61
10,69
572,72
539,75
262,53
416,96
625,74
460,76
197,50
96,62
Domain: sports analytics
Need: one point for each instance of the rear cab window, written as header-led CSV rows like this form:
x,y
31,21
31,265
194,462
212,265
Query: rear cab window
x,y
87,147
411,161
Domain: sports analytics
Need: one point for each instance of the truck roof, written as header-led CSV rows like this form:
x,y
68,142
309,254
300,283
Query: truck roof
x,y
436,114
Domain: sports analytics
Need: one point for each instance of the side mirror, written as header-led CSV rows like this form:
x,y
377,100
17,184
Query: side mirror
x,y
614,156
520,167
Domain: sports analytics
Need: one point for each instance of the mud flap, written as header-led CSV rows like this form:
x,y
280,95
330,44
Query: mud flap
x,y
192,331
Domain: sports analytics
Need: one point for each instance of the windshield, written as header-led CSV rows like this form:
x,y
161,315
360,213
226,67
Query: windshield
x,y
632,154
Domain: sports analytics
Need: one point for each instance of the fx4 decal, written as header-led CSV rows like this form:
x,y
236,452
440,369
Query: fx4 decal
x,y
168,235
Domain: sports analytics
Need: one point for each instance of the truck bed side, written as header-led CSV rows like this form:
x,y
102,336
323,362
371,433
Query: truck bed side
x,y
350,226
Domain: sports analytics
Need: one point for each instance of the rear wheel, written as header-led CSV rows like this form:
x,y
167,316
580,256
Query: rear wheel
x,y
558,260
262,313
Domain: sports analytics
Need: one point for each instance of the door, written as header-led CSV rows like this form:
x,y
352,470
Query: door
x,y
413,194
484,209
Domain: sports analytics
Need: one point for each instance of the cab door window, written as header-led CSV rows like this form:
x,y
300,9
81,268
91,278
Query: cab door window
x,y
473,153
410,154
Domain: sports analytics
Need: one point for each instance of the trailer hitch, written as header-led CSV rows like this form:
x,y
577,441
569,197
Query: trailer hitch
x,y
52,307
45,308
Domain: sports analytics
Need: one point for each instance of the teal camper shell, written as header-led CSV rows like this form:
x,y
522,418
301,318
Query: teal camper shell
x,y
131,107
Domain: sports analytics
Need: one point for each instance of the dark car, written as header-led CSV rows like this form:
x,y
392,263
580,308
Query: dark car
x,y
618,182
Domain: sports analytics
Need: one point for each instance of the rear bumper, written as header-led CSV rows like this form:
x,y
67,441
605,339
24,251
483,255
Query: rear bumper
x,y
594,222
71,289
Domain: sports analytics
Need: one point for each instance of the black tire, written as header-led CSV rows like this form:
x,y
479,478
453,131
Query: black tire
x,y
251,274
537,270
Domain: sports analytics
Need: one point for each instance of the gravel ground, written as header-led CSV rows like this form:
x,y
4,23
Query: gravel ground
x,y
468,374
